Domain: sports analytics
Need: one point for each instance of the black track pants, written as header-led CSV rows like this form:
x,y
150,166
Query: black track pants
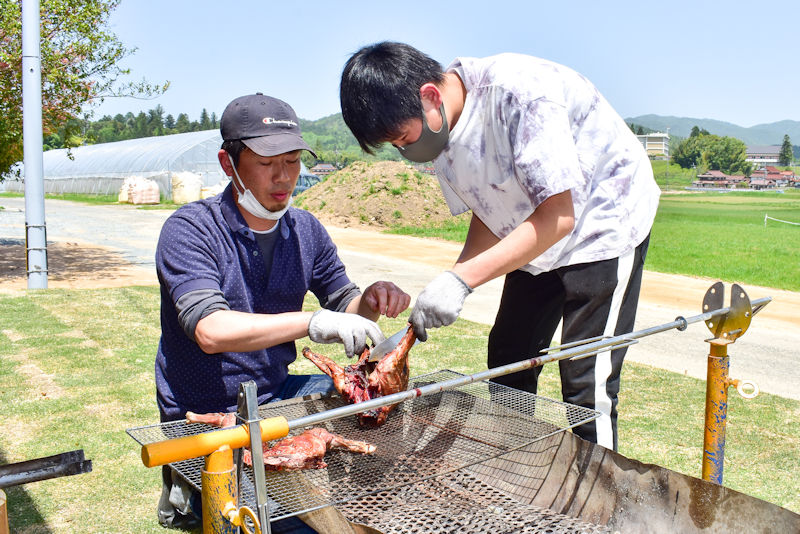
x,y
594,299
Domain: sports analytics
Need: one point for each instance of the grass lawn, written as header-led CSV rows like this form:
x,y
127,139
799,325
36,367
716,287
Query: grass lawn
x,y
723,235
716,235
76,370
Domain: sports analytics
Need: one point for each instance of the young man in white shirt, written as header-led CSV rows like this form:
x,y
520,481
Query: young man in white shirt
x,y
562,197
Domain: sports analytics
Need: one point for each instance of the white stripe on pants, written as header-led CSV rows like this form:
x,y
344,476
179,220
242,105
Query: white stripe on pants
x,y
602,366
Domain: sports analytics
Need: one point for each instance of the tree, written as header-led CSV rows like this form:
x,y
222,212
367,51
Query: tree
x,y
155,121
711,152
205,120
80,67
786,156
697,132
182,124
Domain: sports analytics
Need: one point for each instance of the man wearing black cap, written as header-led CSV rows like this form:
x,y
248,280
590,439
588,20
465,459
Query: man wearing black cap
x,y
234,270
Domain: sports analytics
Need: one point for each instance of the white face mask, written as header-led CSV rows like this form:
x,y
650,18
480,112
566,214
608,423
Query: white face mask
x,y
249,202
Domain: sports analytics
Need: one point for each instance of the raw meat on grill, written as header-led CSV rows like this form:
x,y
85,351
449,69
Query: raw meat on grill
x,y
222,420
366,380
304,451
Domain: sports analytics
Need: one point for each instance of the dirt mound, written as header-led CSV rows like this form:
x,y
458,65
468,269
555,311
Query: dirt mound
x,y
378,194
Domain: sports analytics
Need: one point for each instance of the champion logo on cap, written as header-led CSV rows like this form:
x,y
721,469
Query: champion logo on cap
x,y
270,120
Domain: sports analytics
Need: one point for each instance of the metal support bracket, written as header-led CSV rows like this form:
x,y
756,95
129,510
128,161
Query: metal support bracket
x,y
248,414
726,328
732,325
29,249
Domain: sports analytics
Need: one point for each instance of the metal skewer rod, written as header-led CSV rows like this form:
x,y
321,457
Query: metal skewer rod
x,y
593,347
178,449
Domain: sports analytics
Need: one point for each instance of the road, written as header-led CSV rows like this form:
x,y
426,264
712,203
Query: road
x,y
767,353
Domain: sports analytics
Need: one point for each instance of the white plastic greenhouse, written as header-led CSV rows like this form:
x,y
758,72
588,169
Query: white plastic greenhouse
x,y
102,169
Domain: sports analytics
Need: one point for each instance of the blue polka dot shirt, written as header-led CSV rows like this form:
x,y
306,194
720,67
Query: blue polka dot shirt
x,y
208,245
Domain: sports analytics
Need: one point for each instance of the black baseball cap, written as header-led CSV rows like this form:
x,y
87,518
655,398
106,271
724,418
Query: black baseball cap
x,y
266,125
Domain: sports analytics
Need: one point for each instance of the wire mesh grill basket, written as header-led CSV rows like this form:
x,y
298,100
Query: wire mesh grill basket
x,y
422,438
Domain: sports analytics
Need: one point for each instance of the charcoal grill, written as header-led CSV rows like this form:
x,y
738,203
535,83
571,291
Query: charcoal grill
x,y
462,454
422,439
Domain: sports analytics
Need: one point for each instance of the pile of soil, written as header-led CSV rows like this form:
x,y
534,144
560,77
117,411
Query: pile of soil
x,y
379,194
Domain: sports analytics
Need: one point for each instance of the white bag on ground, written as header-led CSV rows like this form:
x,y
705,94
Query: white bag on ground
x,y
144,191
186,187
213,190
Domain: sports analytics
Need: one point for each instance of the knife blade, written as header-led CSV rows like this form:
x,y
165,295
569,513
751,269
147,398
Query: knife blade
x,y
387,345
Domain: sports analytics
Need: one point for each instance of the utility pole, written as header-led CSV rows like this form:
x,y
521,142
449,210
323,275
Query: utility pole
x,y
666,168
35,229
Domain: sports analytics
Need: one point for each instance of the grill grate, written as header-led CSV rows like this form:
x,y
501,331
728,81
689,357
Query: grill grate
x,y
423,438
458,502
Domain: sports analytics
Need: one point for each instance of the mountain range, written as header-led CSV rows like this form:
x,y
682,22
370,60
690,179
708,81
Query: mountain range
x,y
332,130
760,134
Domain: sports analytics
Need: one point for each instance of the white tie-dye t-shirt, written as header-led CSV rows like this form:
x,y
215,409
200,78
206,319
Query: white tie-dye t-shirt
x,y
531,129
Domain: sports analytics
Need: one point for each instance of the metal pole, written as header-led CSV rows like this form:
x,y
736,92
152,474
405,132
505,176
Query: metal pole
x,y
183,448
577,350
717,383
248,403
3,514
35,229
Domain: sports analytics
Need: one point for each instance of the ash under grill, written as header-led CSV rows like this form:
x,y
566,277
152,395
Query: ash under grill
x,y
422,439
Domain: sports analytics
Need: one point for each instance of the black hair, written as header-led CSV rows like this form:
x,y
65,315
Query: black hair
x,y
233,147
379,90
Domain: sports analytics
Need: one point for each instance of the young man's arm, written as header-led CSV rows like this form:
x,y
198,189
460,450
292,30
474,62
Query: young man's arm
x,y
485,257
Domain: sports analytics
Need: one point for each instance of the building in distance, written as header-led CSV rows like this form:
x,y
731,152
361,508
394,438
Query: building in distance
x,y
761,156
656,144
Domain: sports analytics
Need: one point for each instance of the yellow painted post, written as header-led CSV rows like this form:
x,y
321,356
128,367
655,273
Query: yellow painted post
x,y
219,491
717,383
3,513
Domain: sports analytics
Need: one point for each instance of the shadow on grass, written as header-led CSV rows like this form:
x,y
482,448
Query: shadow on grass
x,y
66,261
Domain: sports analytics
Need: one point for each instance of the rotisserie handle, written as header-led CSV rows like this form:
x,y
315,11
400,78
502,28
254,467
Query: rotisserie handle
x,y
186,447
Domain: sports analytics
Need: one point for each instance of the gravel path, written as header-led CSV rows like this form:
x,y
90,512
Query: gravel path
x,y
767,354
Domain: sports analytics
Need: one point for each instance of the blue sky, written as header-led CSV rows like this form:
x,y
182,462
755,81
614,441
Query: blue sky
x,y
731,61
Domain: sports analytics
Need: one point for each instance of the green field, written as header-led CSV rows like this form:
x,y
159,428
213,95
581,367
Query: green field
x,y
723,235
714,235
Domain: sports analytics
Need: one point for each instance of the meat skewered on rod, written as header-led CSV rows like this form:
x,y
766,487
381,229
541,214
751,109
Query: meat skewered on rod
x,y
304,451
366,380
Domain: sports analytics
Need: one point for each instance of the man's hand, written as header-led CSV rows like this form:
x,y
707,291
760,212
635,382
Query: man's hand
x,y
386,299
439,303
350,329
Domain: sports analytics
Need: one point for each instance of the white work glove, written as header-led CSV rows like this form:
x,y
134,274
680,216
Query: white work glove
x,y
351,329
439,303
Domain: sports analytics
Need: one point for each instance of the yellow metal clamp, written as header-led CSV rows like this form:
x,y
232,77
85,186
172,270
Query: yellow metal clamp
x,y
220,513
186,447
237,518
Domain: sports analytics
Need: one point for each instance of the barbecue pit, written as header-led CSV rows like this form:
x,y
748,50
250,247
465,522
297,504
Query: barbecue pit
x,y
462,454
423,439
